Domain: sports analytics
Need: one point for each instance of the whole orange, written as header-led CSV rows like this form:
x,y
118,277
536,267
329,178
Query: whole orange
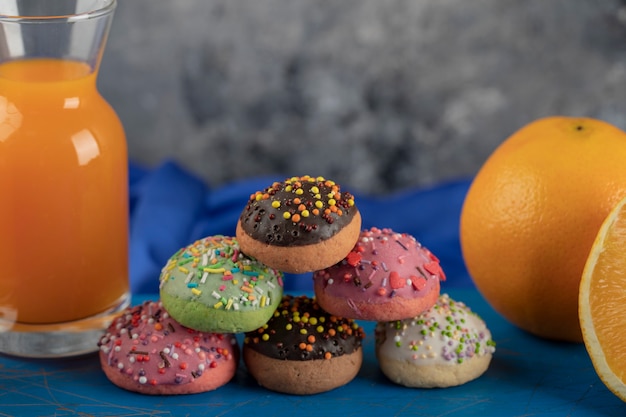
x,y
531,215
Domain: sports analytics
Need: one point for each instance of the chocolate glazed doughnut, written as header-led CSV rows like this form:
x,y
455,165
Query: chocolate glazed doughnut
x,y
303,349
299,225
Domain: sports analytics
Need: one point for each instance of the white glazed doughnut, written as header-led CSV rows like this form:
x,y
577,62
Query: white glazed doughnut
x,y
446,346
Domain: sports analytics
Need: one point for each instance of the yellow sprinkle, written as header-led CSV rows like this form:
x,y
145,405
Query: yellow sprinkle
x,y
313,321
299,191
296,319
289,326
165,277
258,197
305,213
332,202
183,269
315,190
263,299
303,331
229,304
320,329
322,319
288,188
265,337
196,291
275,204
319,204
286,215
214,270
219,304
351,202
320,179
235,282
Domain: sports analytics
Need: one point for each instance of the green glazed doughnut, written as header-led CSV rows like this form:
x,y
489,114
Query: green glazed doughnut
x,y
211,286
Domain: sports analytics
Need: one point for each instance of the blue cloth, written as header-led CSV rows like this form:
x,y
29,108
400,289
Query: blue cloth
x,y
171,208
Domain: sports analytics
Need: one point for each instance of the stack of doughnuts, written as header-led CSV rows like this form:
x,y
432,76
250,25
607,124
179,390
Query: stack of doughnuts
x,y
185,342
392,279
219,286
301,225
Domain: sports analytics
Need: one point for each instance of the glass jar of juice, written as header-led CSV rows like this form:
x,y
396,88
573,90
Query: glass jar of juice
x,y
63,180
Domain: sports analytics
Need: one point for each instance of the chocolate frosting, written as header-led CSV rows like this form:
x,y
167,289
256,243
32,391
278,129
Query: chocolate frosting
x,y
299,211
300,330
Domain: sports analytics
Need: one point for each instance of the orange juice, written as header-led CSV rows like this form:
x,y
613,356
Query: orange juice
x,y
63,194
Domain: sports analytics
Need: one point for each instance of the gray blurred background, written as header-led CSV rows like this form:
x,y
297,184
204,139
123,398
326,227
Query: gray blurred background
x,y
379,95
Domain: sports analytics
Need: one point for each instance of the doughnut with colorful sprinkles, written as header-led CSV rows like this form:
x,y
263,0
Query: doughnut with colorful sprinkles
x,y
299,225
446,346
146,351
212,286
304,350
386,276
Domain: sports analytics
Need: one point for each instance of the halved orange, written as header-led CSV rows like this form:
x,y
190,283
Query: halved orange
x,y
602,301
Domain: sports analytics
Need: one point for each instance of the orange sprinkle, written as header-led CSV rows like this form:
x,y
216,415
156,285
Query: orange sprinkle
x,y
316,212
302,346
301,207
309,348
311,339
158,326
295,218
332,332
296,200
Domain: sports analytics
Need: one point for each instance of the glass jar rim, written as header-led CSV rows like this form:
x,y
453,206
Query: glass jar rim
x,y
105,7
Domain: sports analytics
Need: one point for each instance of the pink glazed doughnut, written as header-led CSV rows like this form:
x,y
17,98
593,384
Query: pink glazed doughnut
x,y
146,351
387,276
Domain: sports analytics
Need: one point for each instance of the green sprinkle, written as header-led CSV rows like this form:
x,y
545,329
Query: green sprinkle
x,y
184,261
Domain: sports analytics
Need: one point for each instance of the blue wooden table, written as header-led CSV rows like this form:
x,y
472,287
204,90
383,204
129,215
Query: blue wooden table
x,y
527,377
